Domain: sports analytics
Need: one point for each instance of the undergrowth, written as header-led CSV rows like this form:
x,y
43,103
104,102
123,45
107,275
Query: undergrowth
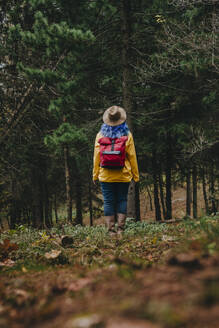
x,y
142,243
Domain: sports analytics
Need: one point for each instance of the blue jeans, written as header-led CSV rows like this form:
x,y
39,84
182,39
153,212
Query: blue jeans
x,y
115,197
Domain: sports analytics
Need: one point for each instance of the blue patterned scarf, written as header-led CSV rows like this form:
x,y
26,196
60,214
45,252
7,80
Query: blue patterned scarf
x,y
114,131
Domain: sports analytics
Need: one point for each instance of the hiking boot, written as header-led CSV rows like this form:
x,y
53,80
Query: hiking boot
x,y
110,224
121,223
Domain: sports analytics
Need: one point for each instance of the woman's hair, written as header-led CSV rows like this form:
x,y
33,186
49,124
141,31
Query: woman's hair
x,y
114,131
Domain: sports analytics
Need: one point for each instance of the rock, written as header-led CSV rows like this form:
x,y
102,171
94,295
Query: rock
x,y
67,241
88,321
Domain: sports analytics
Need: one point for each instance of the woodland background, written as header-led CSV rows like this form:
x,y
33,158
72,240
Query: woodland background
x,y
63,62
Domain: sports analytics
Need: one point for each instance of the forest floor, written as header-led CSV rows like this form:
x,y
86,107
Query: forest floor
x,y
155,275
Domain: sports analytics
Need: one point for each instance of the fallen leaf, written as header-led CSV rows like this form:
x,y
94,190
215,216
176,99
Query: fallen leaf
x,y
167,238
22,293
52,255
7,263
154,240
150,258
24,269
6,247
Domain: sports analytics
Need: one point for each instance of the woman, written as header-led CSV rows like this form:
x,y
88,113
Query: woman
x,y
114,178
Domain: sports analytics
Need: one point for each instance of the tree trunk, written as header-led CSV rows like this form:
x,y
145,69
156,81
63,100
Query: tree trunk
x,y
131,213
205,192
50,213
48,222
55,209
169,178
188,192
90,202
37,203
79,218
150,198
78,193
156,193
137,203
126,83
194,188
162,194
212,190
133,199
68,184
1,223
37,209
13,206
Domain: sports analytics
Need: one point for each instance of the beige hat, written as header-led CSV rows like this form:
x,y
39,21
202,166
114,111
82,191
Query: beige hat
x,y
114,115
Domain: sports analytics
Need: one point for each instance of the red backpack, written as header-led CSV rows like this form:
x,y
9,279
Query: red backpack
x,y
112,152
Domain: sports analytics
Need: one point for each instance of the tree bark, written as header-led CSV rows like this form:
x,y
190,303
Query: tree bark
x,y
78,193
1,223
126,83
37,208
162,194
194,187
47,219
133,207
188,192
13,206
79,218
137,203
156,193
150,198
55,209
90,202
68,181
131,212
204,190
212,189
168,178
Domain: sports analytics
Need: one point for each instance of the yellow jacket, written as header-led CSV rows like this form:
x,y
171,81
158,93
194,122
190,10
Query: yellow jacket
x,y
126,174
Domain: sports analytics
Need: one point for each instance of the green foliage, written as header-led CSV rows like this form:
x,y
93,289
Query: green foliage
x,y
66,133
210,99
192,13
142,228
141,242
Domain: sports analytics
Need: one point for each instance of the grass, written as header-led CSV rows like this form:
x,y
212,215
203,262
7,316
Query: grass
x,y
142,243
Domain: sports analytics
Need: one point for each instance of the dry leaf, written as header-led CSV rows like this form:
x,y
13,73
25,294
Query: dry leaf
x,y
24,269
7,263
52,255
6,247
